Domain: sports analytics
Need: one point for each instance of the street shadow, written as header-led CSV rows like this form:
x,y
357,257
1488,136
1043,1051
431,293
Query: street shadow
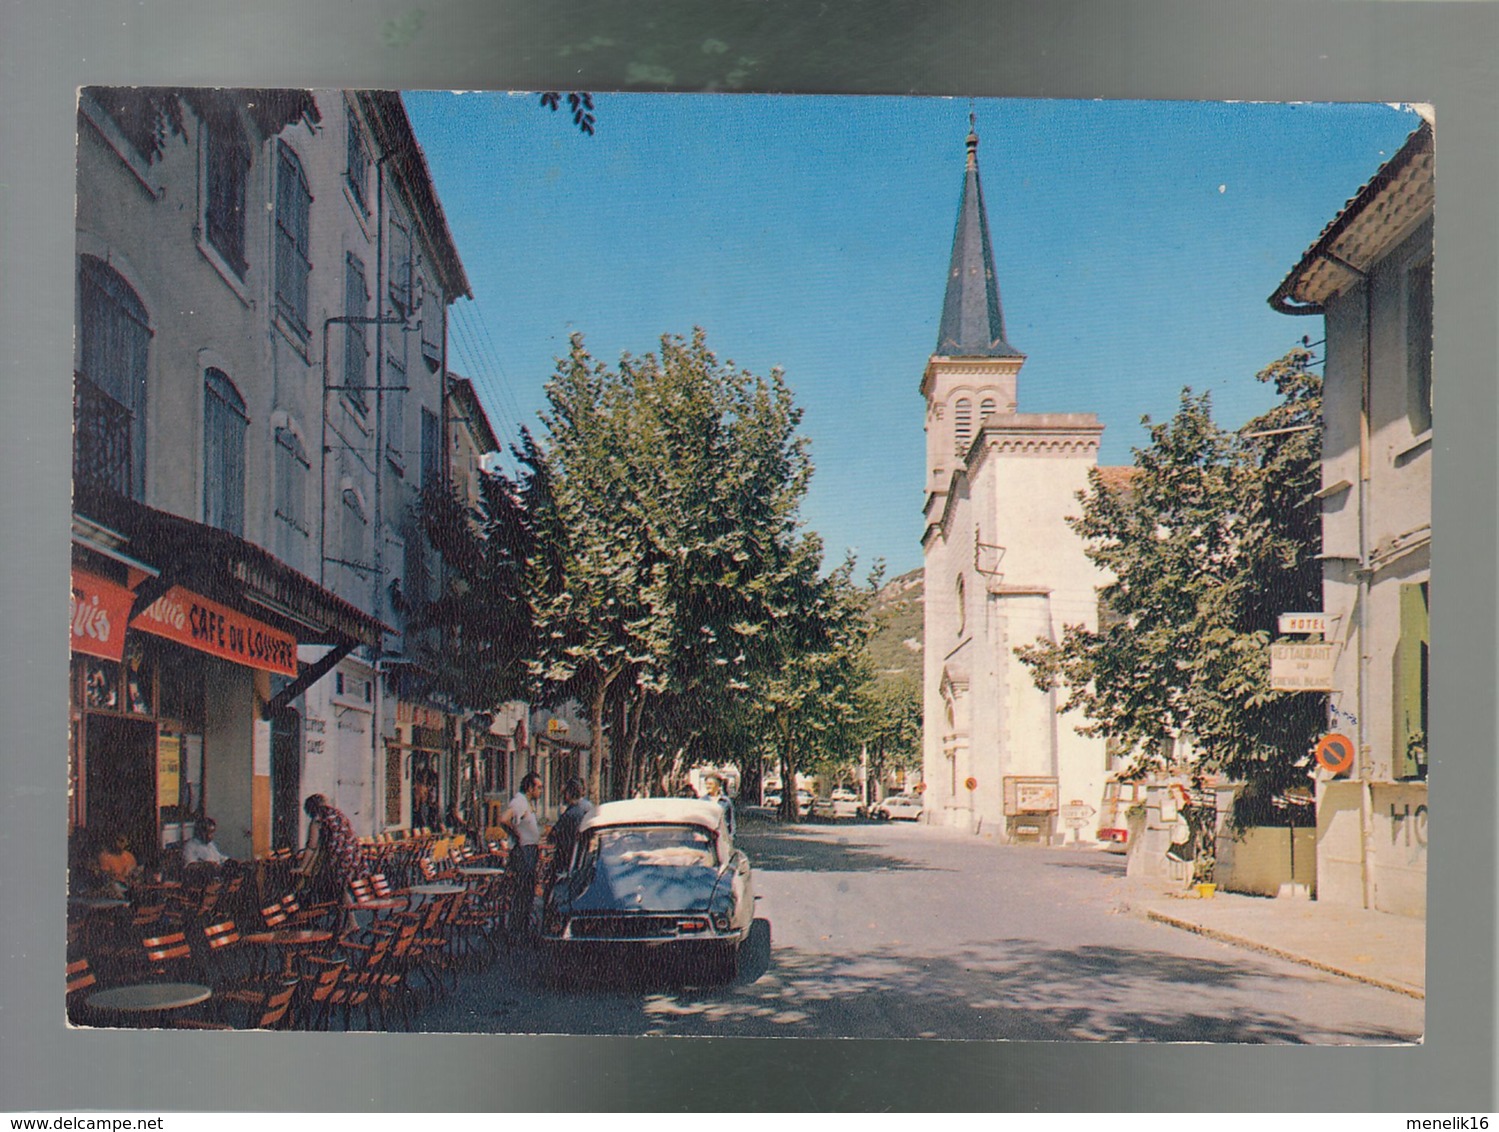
x,y
1108,865
787,851
1005,989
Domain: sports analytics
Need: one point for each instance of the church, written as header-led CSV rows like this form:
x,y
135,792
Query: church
x,y
1002,568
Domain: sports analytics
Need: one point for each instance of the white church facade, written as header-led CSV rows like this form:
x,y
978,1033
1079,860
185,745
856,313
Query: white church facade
x,y
1002,568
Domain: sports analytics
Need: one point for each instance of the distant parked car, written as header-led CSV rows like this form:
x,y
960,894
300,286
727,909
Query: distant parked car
x,y
823,808
773,799
804,802
845,803
899,807
656,871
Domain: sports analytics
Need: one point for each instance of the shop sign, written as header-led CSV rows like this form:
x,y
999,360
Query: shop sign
x,y
97,612
1302,668
183,616
168,769
1030,795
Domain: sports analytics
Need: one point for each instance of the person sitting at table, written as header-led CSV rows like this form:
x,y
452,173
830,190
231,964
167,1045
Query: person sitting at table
x,y
116,864
202,850
333,859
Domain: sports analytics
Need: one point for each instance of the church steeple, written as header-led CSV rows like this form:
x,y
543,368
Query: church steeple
x,y
973,324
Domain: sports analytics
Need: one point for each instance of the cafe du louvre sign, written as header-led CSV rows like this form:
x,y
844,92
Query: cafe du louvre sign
x,y
98,609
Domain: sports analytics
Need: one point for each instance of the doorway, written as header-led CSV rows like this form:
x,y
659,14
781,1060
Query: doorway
x,y
286,778
120,784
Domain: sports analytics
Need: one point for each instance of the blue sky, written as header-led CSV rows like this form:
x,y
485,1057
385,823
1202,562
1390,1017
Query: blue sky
x,y
1135,243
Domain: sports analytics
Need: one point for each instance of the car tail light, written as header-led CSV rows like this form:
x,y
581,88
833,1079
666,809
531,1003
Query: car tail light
x,y
690,926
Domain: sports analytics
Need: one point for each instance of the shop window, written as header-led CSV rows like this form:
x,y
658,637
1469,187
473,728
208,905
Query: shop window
x,y
224,422
181,687
1418,344
138,694
1413,660
293,213
109,399
101,684
227,171
356,336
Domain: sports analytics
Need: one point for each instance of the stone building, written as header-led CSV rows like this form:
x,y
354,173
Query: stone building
x,y
263,283
1369,275
1002,567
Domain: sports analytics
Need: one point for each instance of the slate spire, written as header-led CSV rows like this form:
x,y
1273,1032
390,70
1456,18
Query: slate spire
x,y
973,324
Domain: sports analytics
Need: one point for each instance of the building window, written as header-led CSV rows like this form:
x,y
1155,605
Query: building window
x,y
224,421
356,336
355,530
395,412
228,167
1412,669
431,450
109,398
962,425
986,408
293,210
431,324
358,173
292,468
1418,344
402,290
962,596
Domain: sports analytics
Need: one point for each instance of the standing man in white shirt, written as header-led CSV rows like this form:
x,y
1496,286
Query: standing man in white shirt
x,y
521,822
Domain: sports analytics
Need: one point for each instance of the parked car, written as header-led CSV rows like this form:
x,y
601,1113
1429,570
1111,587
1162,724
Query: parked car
x,y
773,799
845,803
659,872
899,807
804,802
822,808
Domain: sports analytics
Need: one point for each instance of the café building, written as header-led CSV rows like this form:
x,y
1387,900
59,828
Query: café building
x,y
183,678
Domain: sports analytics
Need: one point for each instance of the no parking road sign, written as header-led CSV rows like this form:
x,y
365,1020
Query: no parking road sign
x,y
1335,753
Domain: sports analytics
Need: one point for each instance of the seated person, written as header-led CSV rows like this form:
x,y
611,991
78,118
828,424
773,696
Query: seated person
x,y
116,864
201,850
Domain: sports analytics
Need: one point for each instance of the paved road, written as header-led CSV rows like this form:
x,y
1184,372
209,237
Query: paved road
x,y
895,931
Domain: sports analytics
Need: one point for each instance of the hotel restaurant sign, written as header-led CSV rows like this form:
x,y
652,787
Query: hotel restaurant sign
x,y
100,607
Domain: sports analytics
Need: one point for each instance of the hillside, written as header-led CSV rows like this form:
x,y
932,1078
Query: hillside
x,y
895,646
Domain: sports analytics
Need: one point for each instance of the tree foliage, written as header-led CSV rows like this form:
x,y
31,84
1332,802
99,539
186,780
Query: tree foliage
x,y
1216,533
675,481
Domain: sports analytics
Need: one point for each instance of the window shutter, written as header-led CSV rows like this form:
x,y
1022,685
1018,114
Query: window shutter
x,y
1411,692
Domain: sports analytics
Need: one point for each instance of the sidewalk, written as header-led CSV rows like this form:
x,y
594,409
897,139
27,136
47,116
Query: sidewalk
x,y
1373,947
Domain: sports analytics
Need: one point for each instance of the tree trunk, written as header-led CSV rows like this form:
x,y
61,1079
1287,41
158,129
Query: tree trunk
x,y
631,740
596,723
788,777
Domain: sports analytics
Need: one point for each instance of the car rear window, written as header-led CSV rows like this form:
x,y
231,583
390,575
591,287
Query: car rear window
x,y
666,846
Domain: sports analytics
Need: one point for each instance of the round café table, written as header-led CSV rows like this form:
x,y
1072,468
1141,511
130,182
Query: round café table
x,y
436,889
289,940
149,998
482,871
374,906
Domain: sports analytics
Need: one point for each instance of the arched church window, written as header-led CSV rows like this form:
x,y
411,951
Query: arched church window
x,y
962,424
986,408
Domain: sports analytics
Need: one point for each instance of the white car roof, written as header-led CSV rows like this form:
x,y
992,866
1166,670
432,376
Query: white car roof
x,y
651,811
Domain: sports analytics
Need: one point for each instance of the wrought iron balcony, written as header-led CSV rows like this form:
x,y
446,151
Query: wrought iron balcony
x,y
101,439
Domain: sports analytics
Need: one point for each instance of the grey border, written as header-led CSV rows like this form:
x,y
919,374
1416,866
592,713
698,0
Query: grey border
x,y
1311,50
